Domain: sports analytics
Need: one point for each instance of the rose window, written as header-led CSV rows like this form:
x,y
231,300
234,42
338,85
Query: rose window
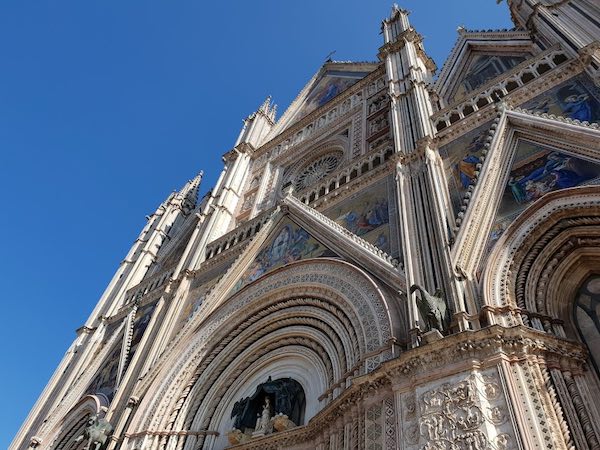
x,y
317,170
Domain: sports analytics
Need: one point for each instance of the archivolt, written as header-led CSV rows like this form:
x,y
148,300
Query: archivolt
x,y
544,255
328,307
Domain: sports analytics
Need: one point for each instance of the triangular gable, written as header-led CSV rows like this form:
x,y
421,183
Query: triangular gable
x,y
478,57
331,79
567,141
537,170
294,232
287,243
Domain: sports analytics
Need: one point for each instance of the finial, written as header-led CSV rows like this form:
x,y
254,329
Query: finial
x,y
266,105
461,30
328,57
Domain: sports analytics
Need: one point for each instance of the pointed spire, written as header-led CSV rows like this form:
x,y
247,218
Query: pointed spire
x,y
396,24
189,192
266,105
258,124
268,108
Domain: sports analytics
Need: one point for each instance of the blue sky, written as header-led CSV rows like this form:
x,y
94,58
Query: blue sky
x,y
107,106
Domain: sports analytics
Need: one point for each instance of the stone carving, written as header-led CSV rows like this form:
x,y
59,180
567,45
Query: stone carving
x,y
263,422
281,422
96,433
433,308
468,413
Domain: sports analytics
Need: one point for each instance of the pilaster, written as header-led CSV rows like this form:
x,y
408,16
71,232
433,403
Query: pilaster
x,y
423,236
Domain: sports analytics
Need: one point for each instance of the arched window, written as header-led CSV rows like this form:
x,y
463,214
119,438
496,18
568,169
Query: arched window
x,y
587,317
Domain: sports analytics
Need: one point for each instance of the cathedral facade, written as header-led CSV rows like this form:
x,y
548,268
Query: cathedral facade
x,y
400,261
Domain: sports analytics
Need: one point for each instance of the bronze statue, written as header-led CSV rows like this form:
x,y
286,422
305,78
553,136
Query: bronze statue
x,y
433,308
97,433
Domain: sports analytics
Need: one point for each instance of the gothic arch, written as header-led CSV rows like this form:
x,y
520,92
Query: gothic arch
x,y
326,313
533,277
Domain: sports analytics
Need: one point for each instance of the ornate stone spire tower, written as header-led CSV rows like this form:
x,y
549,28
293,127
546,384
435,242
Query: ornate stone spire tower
x,y
424,240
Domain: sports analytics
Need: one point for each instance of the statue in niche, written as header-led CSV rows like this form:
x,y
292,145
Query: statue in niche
x,y
276,404
97,433
263,422
433,308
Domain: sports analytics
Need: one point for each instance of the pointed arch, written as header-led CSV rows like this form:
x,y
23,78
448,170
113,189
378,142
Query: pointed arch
x,y
538,265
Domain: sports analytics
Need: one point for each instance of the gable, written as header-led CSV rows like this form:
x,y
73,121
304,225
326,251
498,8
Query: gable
x,y
478,57
537,170
482,68
330,81
529,155
326,88
288,243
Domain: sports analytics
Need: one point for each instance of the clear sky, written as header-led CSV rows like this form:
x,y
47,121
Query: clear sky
x,y
107,106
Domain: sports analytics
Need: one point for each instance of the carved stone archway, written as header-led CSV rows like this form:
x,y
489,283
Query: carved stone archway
x,y
326,311
533,276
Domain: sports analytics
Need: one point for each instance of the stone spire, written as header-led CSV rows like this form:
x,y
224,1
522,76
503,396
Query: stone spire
x,y
409,73
409,70
189,192
258,124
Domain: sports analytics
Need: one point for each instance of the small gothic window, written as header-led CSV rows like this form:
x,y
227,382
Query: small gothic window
x,y
587,317
276,405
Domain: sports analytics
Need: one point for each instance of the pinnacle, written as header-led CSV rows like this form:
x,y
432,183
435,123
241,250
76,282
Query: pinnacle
x,y
268,108
190,191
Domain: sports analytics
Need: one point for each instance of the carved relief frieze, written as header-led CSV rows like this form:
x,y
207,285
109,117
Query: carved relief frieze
x,y
468,411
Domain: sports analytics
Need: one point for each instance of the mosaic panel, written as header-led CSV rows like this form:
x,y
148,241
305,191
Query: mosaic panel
x,y
288,244
105,381
576,99
535,171
369,214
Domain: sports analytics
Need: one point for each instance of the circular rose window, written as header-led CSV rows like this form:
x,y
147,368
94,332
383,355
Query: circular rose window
x,y
317,170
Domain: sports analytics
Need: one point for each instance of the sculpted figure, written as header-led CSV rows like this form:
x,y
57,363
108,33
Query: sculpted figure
x,y
432,307
97,433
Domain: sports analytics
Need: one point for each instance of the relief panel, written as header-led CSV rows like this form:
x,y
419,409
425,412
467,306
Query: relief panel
x,y
465,412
